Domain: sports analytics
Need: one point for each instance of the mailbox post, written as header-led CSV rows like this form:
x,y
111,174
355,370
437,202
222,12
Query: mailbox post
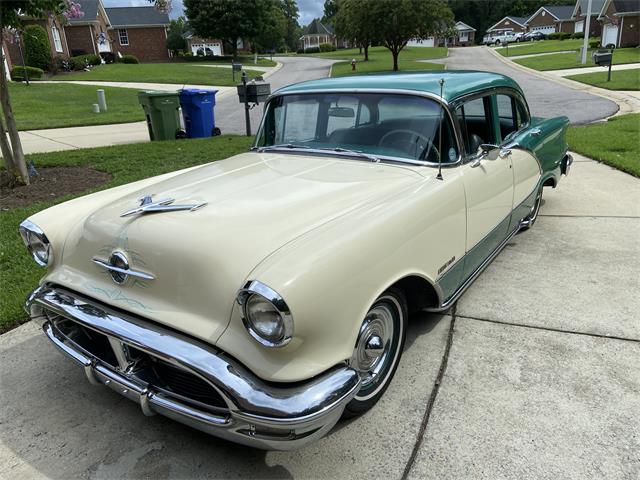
x,y
604,58
252,92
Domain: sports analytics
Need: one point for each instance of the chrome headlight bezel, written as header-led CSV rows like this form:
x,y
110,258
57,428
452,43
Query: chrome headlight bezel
x,y
256,288
31,236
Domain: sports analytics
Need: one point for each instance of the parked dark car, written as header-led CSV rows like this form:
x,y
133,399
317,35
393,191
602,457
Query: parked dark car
x,y
532,36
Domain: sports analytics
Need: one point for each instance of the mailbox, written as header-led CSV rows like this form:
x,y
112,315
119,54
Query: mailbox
x,y
254,92
236,67
603,58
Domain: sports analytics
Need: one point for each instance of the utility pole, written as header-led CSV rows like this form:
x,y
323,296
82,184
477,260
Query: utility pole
x,y
587,24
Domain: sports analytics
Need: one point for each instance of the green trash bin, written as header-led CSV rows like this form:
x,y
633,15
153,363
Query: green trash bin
x,y
162,110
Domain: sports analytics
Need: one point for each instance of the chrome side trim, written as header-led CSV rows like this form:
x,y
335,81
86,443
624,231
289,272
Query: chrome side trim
x,y
260,414
124,271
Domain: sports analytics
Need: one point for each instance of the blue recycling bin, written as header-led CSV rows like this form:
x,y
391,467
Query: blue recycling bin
x,y
197,110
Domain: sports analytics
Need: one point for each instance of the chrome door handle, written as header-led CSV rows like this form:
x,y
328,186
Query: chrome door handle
x,y
536,132
504,152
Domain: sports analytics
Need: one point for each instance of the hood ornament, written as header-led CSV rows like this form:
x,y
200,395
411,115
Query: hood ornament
x,y
147,205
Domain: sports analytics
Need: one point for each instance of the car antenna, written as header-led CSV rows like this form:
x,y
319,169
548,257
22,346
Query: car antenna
x,y
439,176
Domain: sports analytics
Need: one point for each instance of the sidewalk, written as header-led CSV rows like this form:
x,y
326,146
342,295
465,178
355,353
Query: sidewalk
x,y
577,71
165,87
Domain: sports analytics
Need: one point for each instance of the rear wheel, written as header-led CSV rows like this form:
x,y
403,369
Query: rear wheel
x,y
378,349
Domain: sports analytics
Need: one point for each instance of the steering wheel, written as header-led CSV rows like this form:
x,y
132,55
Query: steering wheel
x,y
415,143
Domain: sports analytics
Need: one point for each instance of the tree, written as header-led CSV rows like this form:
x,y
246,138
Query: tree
x,y
273,28
228,20
330,10
292,32
37,49
175,35
398,21
355,21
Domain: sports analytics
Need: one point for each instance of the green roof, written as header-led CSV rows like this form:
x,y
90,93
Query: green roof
x,y
456,83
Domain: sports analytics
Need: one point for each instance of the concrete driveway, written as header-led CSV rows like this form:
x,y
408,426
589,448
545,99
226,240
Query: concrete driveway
x,y
546,98
533,375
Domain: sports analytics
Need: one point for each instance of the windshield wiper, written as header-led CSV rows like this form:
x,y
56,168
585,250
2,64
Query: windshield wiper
x,y
289,146
368,156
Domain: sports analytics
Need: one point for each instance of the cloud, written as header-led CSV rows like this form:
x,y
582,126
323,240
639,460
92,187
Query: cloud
x,y
309,9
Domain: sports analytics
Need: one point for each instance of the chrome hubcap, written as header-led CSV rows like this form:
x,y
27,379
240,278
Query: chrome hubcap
x,y
374,341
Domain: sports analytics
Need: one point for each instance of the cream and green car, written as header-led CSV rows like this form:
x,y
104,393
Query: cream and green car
x,y
263,297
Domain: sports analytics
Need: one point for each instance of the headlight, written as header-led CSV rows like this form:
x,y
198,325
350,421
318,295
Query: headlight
x,y
265,315
37,243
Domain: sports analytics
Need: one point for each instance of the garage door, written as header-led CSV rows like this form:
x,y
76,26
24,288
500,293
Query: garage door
x,y
546,29
579,27
610,35
206,49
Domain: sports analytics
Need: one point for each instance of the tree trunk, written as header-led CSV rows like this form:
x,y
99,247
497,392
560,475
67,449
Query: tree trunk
x,y
16,159
5,149
395,53
366,52
360,49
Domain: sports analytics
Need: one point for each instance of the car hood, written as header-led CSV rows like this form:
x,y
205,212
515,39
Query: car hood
x,y
255,204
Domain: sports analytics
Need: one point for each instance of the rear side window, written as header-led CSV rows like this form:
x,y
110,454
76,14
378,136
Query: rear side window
x,y
512,115
475,122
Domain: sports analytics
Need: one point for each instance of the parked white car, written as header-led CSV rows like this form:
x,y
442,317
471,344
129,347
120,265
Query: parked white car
x,y
502,38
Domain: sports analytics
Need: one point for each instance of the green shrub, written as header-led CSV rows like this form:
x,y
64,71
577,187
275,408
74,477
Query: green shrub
x,y
327,47
594,43
34,73
37,49
577,35
300,50
559,36
91,59
129,59
312,50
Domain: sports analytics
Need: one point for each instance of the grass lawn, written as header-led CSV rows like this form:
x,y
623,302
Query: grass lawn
x,y
380,60
55,105
126,163
542,46
570,60
177,73
620,80
614,142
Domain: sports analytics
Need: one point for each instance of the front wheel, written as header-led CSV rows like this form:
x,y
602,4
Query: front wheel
x,y
378,349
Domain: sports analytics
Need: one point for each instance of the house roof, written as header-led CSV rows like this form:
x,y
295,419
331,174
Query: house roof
x,y
626,6
316,27
456,83
462,27
519,20
136,17
561,12
90,10
596,7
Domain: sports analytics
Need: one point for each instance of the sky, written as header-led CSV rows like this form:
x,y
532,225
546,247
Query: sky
x,y
309,9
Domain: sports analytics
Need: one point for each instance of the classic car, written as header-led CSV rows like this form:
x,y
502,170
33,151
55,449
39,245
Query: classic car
x,y
263,297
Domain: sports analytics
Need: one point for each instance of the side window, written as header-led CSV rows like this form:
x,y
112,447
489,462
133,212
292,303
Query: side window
x,y
507,114
475,122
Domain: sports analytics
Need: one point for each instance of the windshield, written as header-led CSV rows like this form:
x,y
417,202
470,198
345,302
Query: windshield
x,y
371,124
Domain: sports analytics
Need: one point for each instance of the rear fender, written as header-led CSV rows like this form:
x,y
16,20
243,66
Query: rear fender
x,y
546,140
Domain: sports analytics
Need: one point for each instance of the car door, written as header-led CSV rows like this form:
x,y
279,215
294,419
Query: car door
x,y
488,181
513,119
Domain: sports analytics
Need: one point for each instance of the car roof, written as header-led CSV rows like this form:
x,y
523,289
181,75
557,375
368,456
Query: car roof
x,y
456,83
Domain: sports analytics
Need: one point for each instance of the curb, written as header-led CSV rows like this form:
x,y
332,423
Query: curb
x,y
626,104
273,70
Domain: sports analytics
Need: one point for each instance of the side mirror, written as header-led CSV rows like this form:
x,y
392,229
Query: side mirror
x,y
486,151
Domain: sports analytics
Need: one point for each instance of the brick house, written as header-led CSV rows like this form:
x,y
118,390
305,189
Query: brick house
x,y
139,31
203,46
89,34
580,15
551,19
55,32
620,23
466,35
509,24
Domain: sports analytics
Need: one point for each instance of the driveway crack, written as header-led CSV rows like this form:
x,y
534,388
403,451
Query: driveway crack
x,y
432,398
551,329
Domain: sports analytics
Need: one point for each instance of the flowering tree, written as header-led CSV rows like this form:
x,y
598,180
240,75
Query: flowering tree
x,y
11,14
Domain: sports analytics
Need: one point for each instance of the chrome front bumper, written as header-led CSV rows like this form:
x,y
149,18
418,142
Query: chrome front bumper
x,y
248,410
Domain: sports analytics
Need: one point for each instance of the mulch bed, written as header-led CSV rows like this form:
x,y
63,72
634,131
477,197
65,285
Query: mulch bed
x,y
49,184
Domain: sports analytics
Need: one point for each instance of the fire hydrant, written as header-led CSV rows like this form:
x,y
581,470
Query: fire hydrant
x,y
353,65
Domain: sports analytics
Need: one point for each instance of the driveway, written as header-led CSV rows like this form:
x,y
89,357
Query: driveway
x,y
545,97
